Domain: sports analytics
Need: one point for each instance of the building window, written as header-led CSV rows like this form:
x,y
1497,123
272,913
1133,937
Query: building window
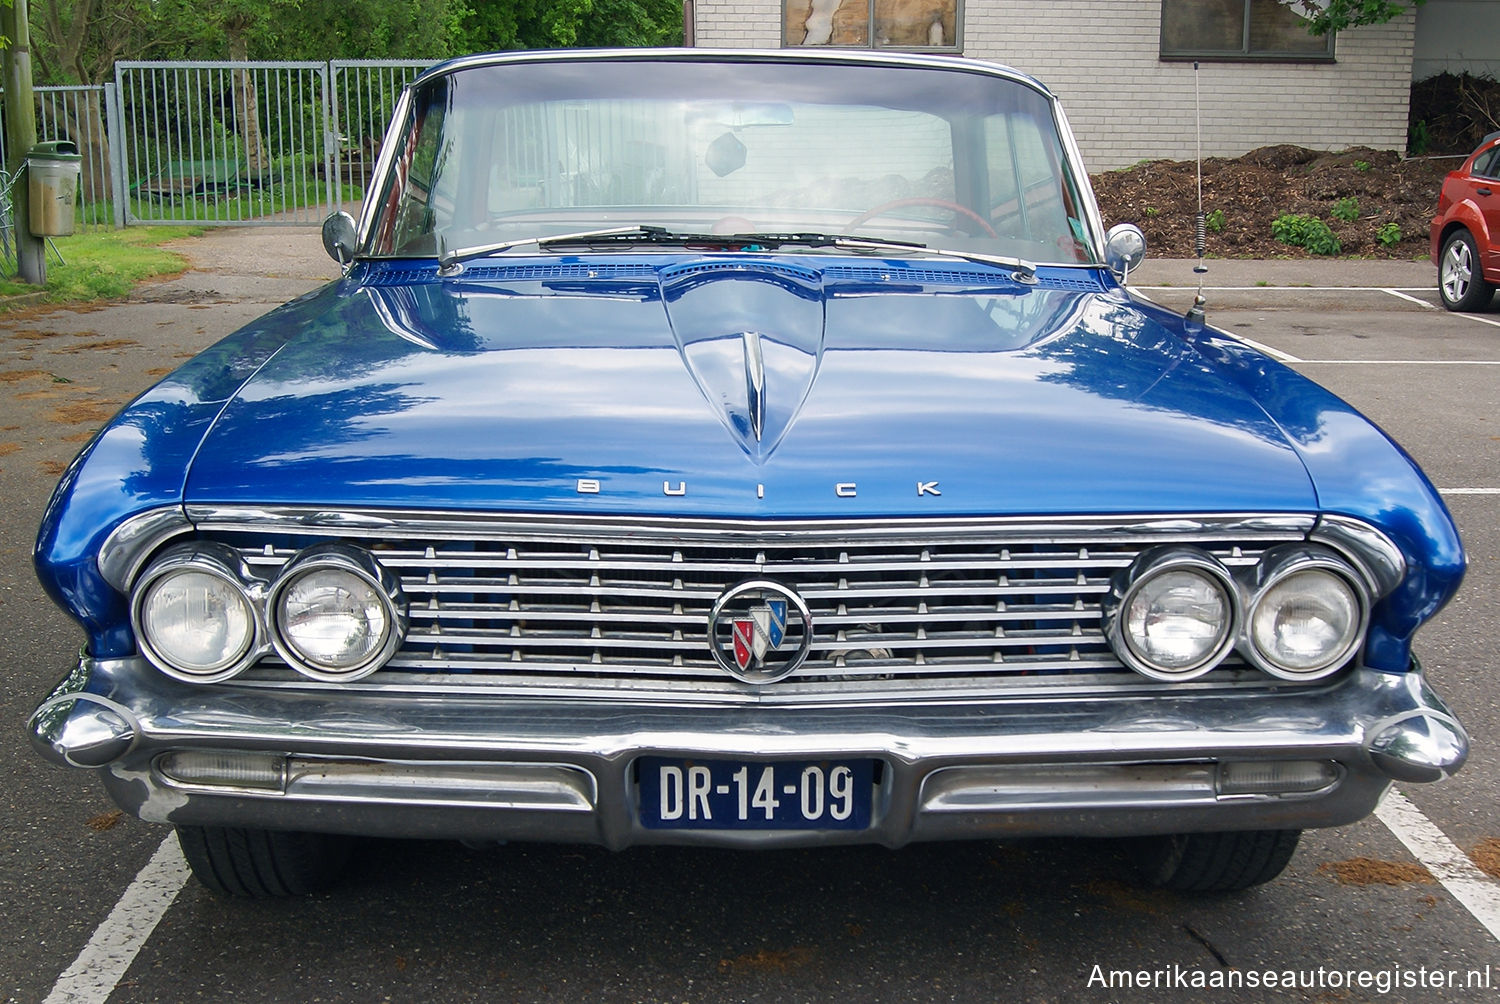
x,y
1240,29
920,25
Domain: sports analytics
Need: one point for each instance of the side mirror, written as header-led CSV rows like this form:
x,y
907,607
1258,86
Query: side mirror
x,y
339,237
1124,249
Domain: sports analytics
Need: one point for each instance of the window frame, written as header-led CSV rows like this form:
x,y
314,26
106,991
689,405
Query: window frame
x,y
956,48
1487,165
1245,53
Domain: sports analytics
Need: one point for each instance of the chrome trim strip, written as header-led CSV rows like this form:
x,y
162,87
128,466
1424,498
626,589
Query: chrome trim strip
x,y
1085,187
526,787
448,525
128,545
1379,561
848,57
712,689
382,167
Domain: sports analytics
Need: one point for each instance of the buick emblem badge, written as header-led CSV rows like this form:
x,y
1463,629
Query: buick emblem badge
x,y
760,631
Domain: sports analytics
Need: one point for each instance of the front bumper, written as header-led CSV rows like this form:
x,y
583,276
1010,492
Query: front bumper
x,y
489,767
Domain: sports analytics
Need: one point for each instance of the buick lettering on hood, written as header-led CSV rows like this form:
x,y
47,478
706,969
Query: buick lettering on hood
x,y
747,449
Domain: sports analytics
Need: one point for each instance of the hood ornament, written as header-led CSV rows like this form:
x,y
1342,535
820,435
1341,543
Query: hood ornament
x,y
755,383
750,332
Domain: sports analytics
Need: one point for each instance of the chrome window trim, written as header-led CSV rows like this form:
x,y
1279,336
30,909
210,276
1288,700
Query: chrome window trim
x,y
865,57
383,163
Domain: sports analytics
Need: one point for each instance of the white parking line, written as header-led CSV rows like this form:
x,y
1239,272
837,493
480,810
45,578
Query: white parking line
x,y
1274,353
1413,299
1398,362
98,969
1478,893
1291,289
1469,491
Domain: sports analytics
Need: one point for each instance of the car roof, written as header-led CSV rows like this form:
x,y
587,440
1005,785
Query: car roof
x,y
836,57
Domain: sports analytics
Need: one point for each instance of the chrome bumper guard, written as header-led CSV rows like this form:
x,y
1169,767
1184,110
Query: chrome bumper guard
x,y
495,767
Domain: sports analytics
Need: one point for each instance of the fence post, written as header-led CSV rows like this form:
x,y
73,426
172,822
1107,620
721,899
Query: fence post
x,y
331,166
115,141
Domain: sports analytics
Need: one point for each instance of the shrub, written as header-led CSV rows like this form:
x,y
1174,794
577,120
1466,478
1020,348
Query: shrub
x,y
1362,166
1215,221
1418,138
1305,232
1389,235
1346,210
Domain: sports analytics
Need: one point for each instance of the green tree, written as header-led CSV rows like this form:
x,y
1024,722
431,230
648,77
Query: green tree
x,y
561,24
1336,15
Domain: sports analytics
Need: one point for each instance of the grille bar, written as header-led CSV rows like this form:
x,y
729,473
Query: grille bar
x,y
601,606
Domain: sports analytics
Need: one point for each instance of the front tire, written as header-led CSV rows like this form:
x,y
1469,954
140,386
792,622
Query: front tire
x,y
262,864
1214,862
1460,275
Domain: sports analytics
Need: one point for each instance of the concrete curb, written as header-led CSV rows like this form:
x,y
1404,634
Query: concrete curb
x,y
8,303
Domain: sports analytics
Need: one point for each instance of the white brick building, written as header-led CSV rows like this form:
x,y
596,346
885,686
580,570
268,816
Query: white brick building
x,y
1126,101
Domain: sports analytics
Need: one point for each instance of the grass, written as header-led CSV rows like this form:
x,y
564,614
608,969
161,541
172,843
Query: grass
x,y
106,265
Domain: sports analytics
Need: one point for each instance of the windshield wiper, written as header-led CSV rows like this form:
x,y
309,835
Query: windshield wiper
x,y
1025,271
448,261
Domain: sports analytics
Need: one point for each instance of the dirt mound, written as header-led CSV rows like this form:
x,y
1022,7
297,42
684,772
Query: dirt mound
x,y
1243,196
1452,113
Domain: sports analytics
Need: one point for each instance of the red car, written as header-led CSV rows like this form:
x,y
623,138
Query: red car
x,y
1466,230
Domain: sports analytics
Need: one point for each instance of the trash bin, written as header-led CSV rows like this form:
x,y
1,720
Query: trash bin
x,y
53,169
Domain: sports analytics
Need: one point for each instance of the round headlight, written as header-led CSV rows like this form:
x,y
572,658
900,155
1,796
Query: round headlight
x,y
193,616
336,613
1305,624
1172,616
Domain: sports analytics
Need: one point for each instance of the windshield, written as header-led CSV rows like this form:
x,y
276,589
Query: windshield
x,y
948,158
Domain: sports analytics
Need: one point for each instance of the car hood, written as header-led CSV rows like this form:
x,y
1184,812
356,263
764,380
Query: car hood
x,y
742,387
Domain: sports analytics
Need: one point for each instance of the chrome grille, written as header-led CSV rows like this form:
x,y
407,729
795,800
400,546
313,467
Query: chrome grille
x,y
610,606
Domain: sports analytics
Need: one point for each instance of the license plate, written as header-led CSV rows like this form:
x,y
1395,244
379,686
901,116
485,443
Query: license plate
x,y
744,795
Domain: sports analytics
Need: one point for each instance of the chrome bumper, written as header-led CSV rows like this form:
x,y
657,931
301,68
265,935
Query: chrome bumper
x,y
495,767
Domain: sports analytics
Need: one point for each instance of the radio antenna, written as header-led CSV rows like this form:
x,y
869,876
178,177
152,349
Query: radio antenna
x,y
1200,222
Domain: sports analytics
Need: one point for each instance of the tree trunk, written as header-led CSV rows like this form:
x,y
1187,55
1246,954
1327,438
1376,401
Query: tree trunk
x,y
84,115
246,109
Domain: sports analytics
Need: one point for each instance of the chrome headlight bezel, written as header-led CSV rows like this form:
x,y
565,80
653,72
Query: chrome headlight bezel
x,y
362,566
220,562
1149,568
1277,567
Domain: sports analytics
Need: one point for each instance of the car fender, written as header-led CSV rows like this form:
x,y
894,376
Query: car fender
x,y
1369,478
139,462
1464,214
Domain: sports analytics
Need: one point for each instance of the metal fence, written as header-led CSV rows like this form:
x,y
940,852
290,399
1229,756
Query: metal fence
x,y
364,93
251,143
63,113
214,143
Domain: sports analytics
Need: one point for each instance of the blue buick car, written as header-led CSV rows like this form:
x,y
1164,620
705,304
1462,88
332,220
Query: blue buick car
x,y
747,449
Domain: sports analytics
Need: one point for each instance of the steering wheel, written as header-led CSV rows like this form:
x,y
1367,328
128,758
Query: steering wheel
x,y
885,207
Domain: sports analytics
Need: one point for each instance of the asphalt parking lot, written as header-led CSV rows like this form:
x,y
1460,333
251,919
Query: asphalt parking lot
x,y
97,905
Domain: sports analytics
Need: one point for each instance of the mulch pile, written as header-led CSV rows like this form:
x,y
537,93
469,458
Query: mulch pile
x,y
1160,197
